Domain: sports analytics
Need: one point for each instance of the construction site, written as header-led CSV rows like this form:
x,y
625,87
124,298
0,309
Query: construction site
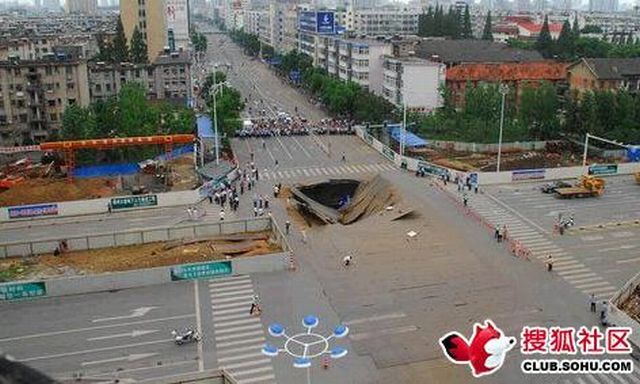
x,y
48,172
149,255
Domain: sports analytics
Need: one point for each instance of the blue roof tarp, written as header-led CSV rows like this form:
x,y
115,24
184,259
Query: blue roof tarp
x,y
205,127
410,139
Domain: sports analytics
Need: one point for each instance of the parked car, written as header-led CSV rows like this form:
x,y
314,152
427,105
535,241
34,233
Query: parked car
x,y
551,187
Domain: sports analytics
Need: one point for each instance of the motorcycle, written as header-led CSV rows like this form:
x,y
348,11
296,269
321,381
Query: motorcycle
x,y
188,336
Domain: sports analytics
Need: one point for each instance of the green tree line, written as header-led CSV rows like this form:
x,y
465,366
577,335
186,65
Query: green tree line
x,y
435,23
127,115
118,50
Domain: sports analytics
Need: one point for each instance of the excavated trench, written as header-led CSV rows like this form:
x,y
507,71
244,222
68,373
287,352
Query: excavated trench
x,y
344,201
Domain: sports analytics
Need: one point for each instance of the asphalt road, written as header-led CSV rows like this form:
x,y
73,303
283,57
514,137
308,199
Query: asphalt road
x,y
124,334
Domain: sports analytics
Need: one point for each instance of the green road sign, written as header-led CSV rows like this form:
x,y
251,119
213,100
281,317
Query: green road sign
x,y
200,271
606,169
14,291
134,201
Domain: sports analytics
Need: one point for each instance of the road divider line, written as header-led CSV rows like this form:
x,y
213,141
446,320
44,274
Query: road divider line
x,y
196,292
67,331
87,351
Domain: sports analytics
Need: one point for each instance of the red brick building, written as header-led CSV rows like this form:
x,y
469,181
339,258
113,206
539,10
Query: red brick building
x,y
515,75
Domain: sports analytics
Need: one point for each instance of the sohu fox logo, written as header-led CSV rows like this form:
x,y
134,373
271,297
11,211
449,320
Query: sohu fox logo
x,y
485,352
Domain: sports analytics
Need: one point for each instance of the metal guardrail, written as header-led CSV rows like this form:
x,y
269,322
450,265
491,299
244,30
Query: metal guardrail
x,y
141,236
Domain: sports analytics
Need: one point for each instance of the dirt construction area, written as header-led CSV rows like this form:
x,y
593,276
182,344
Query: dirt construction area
x,y
137,256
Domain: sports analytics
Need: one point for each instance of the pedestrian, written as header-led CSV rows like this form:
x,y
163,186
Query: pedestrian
x,y
189,213
592,303
287,226
109,207
604,314
257,175
344,157
264,144
251,156
242,187
260,201
465,199
255,212
222,214
210,198
266,203
475,187
276,162
255,306
346,261
549,263
260,211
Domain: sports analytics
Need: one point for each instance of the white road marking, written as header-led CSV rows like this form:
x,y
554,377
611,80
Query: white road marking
x,y
138,312
67,331
232,288
246,364
222,280
395,315
625,261
232,293
231,317
257,379
382,332
563,273
252,371
236,322
240,357
198,326
255,347
235,336
237,329
610,288
231,299
87,351
243,308
230,305
580,281
592,284
133,333
238,342
570,278
130,358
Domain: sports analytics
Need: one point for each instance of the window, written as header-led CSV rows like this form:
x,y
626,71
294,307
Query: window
x,y
51,103
98,87
48,71
149,72
72,101
108,87
53,117
68,70
71,85
20,103
137,73
23,118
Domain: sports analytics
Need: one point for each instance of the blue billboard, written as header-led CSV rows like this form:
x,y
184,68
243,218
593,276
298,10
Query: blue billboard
x,y
326,23
322,22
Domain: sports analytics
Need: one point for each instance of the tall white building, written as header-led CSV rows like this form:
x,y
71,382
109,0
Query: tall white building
x,y
87,7
413,82
384,21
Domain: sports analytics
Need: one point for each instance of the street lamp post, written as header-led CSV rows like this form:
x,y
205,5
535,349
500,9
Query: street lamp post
x,y
504,89
403,135
215,117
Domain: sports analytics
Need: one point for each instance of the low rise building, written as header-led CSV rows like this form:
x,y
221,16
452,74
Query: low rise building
x,y
605,74
413,82
515,75
455,52
167,78
34,95
383,21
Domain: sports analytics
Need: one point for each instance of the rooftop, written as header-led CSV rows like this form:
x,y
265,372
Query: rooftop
x,y
542,70
614,69
473,51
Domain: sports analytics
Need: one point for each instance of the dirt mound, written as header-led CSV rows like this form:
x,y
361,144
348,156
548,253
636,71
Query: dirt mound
x,y
370,197
631,306
45,190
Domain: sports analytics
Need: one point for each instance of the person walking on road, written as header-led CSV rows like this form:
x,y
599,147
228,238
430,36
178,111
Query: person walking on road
x,y
287,226
344,157
549,263
592,303
222,214
465,199
255,306
347,260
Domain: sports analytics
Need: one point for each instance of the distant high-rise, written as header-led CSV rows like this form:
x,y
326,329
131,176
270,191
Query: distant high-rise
x,y
607,6
50,4
87,7
149,17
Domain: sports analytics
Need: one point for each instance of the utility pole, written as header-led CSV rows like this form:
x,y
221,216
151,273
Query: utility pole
x,y
403,135
504,89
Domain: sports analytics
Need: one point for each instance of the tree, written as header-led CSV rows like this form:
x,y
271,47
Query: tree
x,y
544,44
467,32
576,28
139,53
565,46
77,123
105,48
487,33
136,118
120,49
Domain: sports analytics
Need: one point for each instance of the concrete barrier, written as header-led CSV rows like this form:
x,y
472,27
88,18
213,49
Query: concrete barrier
x,y
96,206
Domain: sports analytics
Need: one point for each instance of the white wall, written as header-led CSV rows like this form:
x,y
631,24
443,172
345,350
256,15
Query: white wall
x,y
420,84
376,66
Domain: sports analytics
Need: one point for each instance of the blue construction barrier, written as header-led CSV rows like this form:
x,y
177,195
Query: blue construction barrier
x,y
125,168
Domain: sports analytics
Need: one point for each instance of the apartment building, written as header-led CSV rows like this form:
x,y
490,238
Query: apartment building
x,y
605,74
87,7
168,77
34,95
413,82
384,21
357,60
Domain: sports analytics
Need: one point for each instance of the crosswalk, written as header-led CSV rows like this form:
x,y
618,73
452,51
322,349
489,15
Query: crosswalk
x,y
328,171
565,265
239,336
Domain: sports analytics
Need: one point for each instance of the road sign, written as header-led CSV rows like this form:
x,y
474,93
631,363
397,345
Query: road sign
x,y
134,202
14,291
325,23
606,169
202,270
33,211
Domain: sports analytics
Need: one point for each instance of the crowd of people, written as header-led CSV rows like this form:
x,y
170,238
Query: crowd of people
x,y
286,125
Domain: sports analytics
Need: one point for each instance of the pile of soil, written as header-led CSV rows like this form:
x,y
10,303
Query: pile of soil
x,y
144,256
183,173
37,191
